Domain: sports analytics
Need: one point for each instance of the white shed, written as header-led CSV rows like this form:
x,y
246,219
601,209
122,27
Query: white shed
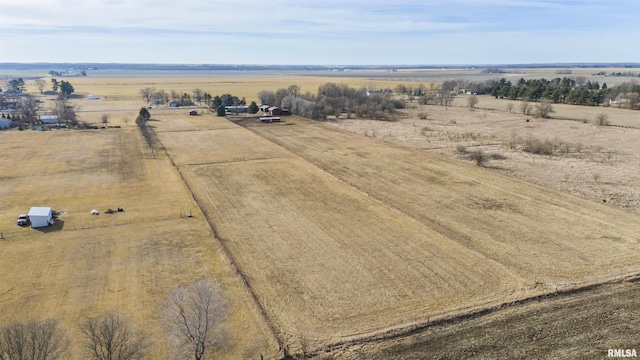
x,y
40,216
93,97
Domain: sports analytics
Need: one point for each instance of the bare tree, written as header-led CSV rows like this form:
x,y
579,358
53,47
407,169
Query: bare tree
x,y
104,119
197,95
33,340
65,111
525,107
147,93
472,101
40,84
602,119
175,95
510,107
543,109
29,106
193,317
293,90
160,97
110,337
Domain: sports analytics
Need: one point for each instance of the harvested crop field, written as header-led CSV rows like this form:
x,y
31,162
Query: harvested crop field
x,y
343,235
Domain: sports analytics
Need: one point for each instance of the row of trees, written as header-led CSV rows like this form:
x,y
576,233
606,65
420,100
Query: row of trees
x,y
17,86
564,91
158,97
334,99
191,318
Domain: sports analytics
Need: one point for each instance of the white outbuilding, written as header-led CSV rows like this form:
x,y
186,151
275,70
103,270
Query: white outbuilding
x,y
49,119
93,97
40,216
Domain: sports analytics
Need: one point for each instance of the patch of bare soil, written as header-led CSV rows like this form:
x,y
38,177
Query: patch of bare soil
x,y
601,163
576,326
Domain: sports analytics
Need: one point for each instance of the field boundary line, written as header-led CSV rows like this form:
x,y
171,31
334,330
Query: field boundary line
x,y
409,329
255,304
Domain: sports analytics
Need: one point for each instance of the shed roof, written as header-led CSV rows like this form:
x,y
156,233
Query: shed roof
x,y
39,211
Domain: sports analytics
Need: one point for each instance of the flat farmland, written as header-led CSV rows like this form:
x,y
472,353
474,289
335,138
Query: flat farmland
x,y
84,265
549,237
248,86
311,248
346,235
327,261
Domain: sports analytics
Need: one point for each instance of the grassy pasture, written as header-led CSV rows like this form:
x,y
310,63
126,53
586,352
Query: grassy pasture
x,y
86,265
616,115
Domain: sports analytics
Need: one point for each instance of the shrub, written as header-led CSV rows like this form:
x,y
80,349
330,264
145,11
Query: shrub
x,y
537,146
602,119
478,156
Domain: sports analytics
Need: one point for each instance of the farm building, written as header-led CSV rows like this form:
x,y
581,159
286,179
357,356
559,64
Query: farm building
x,y
264,108
40,216
93,97
237,109
49,119
275,110
193,113
5,123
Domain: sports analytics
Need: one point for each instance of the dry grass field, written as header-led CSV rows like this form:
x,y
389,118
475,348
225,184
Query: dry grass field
x,y
86,265
344,235
600,163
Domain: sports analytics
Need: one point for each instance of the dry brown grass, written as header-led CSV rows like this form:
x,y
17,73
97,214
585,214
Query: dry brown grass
x,y
371,235
579,149
337,235
87,265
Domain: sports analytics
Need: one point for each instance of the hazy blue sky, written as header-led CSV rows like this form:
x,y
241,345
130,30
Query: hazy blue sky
x,y
327,32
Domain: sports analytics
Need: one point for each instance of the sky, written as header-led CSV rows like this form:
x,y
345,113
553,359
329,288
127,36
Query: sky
x,y
315,32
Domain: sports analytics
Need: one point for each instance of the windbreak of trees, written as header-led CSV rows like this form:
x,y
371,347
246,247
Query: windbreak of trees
x,y
335,99
562,91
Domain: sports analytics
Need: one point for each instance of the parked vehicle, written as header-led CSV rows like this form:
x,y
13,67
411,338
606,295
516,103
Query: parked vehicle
x,y
23,219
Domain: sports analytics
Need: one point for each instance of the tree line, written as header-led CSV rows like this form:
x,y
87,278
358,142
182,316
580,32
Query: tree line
x,y
191,318
335,99
564,91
